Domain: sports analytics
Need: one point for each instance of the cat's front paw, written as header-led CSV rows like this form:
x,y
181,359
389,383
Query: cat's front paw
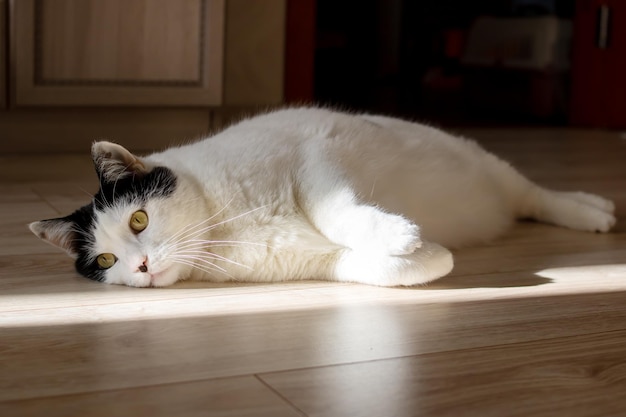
x,y
390,234
398,236
368,229
426,264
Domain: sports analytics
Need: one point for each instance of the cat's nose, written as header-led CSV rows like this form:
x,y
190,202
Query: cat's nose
x,y
144,266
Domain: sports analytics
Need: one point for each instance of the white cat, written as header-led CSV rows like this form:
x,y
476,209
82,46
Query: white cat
x,y
304,193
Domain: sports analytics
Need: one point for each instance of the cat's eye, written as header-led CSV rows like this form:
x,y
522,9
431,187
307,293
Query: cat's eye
x,y
139,221
106,260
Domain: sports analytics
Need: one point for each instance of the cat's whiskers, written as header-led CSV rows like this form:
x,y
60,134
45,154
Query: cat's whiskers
x,y
238,216
189,233
193,235
186,247
202,243
193,259
192,226
220,243
198,254
209,269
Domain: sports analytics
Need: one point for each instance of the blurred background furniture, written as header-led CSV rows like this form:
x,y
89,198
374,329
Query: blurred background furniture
x,y
149,73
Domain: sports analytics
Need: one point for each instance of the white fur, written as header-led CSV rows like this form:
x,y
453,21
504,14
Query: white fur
x,y
309,193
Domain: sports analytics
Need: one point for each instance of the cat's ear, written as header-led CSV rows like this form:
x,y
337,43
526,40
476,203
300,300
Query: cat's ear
x,y
57,232
114,162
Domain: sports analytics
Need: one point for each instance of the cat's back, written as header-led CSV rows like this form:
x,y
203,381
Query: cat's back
x,y
278,141
284,129
259,136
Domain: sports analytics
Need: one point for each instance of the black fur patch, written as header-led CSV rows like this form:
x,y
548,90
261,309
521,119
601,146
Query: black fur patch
x,y
158,183
84,222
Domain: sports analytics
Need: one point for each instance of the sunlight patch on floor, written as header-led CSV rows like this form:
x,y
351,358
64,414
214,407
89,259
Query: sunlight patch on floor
x,y
591,272
115,304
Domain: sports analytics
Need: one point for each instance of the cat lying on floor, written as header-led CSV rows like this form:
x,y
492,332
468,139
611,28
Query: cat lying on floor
x,y
304,193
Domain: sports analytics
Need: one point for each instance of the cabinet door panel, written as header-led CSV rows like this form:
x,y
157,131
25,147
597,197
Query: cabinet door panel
x,y
118,52
119,40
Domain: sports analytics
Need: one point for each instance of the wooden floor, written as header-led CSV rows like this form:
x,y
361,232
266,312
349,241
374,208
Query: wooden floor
x,y
531,325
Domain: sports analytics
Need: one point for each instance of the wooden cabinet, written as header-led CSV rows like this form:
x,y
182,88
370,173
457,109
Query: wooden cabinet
x,y
118,52
599,64
145,73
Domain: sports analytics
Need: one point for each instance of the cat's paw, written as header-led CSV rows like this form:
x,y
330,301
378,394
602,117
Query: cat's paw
x,y
369,229
385,233
397,235
426,264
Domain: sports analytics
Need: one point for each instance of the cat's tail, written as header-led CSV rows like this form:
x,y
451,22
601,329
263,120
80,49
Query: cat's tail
x,y
575,210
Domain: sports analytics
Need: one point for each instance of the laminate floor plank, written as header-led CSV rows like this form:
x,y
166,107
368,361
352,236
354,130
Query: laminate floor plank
x,y
531,323
228,397
117,347
574,376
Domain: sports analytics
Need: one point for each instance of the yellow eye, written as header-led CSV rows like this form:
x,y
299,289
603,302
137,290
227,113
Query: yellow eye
x,y
139,221
106,260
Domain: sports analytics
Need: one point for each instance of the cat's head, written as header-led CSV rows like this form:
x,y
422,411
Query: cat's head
x,y
132,230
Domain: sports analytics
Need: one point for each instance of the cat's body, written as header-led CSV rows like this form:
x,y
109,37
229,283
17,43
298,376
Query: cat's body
x,y
305,194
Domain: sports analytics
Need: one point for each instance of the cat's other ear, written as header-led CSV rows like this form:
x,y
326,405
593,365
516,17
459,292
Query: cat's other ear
x,y
114,162
57,232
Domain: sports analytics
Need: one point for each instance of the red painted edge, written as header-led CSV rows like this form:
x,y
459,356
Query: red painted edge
x,y
299,51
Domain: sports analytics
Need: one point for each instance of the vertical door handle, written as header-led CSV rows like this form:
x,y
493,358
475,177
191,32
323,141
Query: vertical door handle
x,y
603,26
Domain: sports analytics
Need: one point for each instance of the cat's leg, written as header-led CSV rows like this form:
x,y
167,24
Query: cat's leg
x,y
291,248
362,227
426,264
575,210
377,247
331,204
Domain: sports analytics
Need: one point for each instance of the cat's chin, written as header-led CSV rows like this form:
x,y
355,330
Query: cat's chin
x,y
164,278
162,281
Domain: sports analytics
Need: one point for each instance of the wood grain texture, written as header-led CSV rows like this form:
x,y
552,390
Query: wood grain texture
x,y
532,324
127,53
575,376
133,41
237,397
